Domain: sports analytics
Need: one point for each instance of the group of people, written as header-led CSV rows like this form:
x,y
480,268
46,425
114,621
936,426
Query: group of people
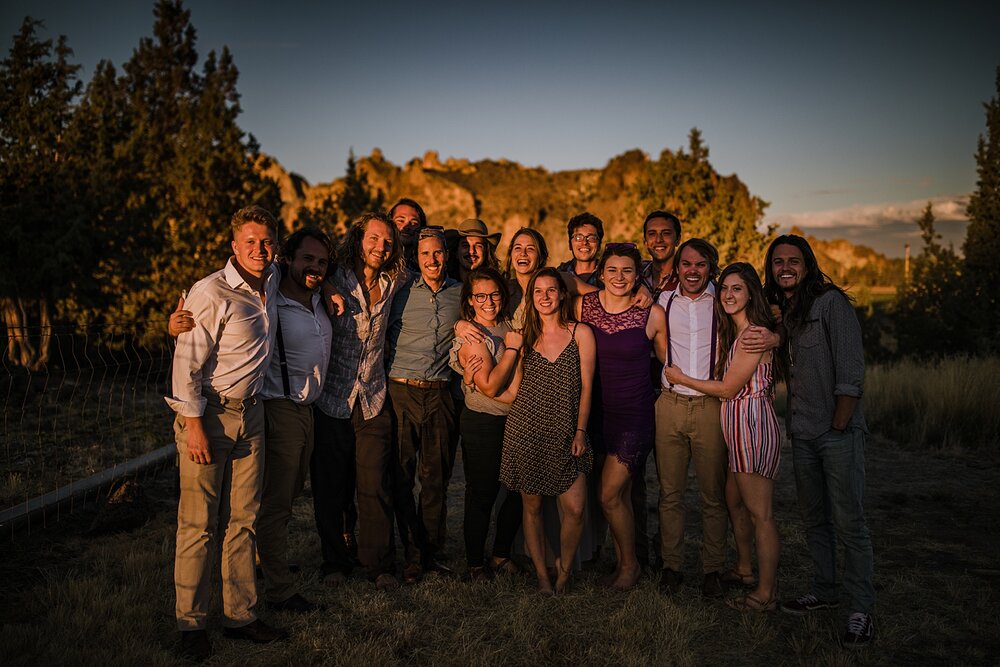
x,y
367,365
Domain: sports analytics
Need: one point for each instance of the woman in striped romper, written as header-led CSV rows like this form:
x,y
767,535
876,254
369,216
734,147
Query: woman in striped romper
x,y
750,428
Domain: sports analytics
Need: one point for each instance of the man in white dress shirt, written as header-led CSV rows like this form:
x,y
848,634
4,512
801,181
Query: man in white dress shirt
x,y
218,374
687,422
293,382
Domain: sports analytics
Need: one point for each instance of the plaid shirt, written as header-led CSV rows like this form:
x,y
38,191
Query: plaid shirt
x,y
646,274
357,359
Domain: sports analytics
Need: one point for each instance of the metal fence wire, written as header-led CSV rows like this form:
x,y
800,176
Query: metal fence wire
x,y
92,414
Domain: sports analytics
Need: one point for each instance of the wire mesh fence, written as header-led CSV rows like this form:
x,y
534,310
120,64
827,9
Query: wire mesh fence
x,y
93,412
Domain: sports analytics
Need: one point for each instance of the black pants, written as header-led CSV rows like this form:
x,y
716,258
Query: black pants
x,y
482,442
425,425
351,454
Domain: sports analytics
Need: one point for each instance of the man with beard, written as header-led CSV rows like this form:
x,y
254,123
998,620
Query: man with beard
x,y
585,233
293,382
408,217
354,440
471,246
418,344
826,423
218,373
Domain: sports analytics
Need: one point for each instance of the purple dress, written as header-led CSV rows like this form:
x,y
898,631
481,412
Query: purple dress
x,y
626,391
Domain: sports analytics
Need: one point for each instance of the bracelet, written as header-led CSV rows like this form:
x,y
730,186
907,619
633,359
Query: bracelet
x,y
582,430
516,349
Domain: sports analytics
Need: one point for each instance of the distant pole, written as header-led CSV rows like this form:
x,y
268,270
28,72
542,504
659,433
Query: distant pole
x,y
906,264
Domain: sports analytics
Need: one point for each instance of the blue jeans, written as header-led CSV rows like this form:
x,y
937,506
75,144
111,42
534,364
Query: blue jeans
x,y
830,480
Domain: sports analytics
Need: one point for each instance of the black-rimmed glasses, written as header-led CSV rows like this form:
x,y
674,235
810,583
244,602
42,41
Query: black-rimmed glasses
x,y
482,296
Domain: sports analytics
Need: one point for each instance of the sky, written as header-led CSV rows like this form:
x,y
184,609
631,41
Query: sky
x,y
848,118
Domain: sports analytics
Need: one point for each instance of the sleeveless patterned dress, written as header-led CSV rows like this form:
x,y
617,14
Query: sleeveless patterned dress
x,y
624,388
750,426
537,442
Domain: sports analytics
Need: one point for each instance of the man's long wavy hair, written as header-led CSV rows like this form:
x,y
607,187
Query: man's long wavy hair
x,y
813,284
349,249
757,310
532,320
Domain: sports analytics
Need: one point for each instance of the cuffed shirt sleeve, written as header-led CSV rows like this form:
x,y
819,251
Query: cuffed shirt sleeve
x,y
192,352
847,348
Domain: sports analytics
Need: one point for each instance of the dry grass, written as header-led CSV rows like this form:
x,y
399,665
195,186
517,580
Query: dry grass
x,y
67,599
949,404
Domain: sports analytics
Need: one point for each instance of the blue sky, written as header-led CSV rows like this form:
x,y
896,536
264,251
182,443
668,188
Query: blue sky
x,y
846,117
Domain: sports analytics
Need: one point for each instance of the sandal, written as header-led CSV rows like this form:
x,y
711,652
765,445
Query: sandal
x,y
750,603
734,578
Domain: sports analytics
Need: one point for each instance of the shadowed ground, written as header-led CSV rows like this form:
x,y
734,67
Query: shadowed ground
x,y
69,599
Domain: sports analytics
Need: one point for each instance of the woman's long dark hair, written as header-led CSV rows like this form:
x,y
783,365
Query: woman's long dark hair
x,y
482,274
757,310
532,321
813,283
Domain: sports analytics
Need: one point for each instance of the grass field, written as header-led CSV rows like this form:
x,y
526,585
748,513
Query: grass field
x,y
67,599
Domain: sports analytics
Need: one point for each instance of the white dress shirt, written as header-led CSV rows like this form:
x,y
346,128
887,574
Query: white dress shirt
x,y
306,334
689,334
228,350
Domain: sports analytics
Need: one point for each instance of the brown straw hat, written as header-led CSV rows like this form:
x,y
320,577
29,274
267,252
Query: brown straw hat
x,y
476,227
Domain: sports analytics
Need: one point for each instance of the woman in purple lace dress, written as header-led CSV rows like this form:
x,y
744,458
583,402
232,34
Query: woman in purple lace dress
x,y
625,335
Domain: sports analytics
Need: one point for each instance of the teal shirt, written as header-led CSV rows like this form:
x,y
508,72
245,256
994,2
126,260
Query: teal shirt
x,y
421,330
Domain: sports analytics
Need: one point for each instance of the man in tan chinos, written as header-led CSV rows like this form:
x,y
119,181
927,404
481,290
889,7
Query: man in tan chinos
x,y
218,372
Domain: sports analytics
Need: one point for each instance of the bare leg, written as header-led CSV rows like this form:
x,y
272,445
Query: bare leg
x,y
617,504
571,504
739,516
534,539
757,492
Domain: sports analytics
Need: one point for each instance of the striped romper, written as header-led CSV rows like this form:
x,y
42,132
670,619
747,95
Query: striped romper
x,y
750,426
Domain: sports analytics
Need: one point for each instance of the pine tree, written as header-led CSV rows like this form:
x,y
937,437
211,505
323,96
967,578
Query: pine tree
x,y
39,221
930,313
357,197
718,208
982,240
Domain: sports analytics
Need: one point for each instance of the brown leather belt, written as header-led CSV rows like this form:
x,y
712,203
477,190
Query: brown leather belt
x,y
421,384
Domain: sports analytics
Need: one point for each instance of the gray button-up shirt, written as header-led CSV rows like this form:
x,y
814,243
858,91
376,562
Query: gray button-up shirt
x,y
357,355
827,360
421,330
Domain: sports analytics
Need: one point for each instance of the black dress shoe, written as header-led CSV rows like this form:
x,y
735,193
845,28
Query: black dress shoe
x,y
195,645
256,631
670,581
295,604
711,587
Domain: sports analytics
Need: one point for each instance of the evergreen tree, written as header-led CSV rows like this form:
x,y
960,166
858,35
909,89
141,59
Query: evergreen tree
x,y
930,312
982,240
356,197
39,220
718,208
190,167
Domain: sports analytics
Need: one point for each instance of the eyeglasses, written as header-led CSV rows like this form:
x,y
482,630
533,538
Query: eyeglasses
x,y
589,238
482,296
619,246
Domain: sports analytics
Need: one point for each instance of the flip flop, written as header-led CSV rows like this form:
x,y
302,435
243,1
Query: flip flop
x,y
750,603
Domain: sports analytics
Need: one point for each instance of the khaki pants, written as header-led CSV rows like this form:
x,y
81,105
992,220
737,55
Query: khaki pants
x,y
224,494
289,446
689,428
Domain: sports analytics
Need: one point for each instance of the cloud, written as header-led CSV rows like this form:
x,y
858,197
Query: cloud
x,y
888,228
950,208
